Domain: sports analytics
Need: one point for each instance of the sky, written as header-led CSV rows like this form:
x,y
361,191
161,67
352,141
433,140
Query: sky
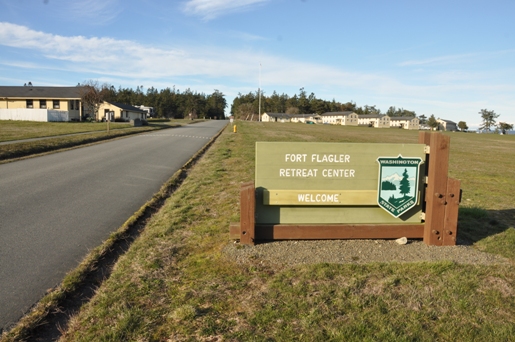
x,y
449,58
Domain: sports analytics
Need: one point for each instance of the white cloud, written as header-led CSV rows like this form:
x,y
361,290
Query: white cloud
x,y
246,36
117,57
107,56
438,60
460,59
93,11
442,93
211,9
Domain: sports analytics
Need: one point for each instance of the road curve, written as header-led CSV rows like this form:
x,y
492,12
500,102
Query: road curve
x,y
56,208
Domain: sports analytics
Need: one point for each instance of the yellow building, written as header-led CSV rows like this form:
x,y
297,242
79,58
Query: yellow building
x,y
447,125
374,120
340,118
303,118
31,103
275,117
409,122
283,117
119,111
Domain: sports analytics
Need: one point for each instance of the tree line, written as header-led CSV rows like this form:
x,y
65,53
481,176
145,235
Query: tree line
x,y
247,106
167,103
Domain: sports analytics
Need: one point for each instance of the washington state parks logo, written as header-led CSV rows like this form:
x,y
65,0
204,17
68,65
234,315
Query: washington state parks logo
x,y
398,184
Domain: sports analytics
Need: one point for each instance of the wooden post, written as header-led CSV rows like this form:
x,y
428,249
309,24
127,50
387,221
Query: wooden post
x,y
436,190
247,213
453,198
425,138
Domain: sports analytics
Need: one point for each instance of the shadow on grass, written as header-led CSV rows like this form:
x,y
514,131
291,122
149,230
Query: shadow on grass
x,y
476,224
162,125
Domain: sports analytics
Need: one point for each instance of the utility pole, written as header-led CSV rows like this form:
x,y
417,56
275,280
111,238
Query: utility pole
x,y
109,115
259,92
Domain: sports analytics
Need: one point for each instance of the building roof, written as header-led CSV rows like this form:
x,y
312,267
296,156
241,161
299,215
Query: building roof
x,y
278,115
402,118
446,121
371,116
337,113
289,116
127,107
303,115
30,92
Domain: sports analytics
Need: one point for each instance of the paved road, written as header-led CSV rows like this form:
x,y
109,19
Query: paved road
x,y
55,208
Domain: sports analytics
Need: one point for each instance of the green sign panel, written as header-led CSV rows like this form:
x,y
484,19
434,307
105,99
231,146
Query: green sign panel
x,y
398,179
309,183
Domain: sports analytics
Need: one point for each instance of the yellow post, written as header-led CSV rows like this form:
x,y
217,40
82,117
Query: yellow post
x,y
234,128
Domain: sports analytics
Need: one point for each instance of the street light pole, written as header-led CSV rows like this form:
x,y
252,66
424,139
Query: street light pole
x,y
259,92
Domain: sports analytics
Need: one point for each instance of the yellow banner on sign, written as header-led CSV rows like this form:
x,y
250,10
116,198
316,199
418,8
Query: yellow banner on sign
x,y
320,197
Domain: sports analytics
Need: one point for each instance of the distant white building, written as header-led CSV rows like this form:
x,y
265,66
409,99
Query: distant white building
x,y
118,111
275,117
283,117
446,125
305,117
406,122
340,118
149,110
346,119
374,120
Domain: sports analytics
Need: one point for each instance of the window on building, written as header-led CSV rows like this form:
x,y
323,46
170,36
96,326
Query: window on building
x,y
30,103
72,107
56,104
42,104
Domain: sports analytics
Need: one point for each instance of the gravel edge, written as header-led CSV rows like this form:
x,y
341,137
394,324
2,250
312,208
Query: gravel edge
x,y
301,252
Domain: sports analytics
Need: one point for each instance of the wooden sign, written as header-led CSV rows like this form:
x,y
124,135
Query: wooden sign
x,y
332,182
351,191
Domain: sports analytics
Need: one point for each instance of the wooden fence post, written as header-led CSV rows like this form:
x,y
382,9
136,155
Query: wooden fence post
x,y
247,213
436,190
453,198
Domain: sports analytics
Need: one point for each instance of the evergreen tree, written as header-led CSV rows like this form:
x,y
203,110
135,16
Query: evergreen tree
x,y
303,102
432,122
404,187
488,117
400,112
462,125
216,105
503,127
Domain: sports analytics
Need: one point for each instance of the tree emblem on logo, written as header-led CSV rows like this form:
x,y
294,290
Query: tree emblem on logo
x,y
398,184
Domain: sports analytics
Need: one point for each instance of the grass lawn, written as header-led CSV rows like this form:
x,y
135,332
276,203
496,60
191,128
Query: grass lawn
x,y
176,283
58,136
18,130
